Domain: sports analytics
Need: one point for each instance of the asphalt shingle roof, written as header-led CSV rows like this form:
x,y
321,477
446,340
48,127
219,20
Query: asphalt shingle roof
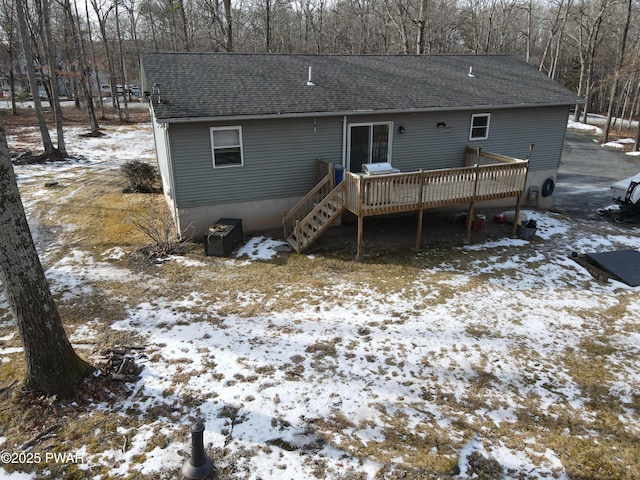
x,y
210,85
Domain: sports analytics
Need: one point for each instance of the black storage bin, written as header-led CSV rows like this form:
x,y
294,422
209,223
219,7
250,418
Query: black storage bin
x,y
223,237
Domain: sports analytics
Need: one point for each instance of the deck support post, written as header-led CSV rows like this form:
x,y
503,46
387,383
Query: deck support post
x,y
360,217
420,214
516,218
472,205
419,233
284,225
298,236
360,228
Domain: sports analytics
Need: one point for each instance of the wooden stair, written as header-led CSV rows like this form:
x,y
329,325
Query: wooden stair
x,y
309,229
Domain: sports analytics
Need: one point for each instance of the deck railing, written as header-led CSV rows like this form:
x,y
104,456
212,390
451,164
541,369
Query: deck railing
x,y
477,156
401,192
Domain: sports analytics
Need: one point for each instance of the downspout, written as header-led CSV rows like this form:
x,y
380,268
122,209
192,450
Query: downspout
x,y
344,142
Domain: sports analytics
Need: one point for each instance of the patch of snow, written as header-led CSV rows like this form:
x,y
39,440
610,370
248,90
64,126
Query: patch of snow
x,y
613,146
187,262
115,253
260,248
583,127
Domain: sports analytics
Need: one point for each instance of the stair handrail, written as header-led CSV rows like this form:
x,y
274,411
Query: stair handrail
x,y
307,203
330,197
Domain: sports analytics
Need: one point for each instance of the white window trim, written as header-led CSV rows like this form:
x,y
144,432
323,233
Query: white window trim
x,y
213,147
369,124
478,115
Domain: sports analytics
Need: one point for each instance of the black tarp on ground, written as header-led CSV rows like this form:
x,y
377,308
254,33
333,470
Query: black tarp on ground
x,y
624,264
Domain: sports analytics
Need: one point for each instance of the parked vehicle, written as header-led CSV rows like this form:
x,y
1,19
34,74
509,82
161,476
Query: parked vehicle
x,y
626,194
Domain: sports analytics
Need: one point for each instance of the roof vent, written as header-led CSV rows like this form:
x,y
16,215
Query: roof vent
x,y
470,74
154,94
310,82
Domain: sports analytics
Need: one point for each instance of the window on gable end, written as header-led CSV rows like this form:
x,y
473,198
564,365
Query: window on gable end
x,y
479,126
226,147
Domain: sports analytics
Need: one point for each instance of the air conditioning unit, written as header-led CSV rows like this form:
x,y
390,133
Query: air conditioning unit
x,y
223,237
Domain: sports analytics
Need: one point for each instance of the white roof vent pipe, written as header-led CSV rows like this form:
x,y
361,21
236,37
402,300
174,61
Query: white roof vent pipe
x,y
310,82
471,75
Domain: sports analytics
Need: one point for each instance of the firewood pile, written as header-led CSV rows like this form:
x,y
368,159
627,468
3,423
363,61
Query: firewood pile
x,y
120,362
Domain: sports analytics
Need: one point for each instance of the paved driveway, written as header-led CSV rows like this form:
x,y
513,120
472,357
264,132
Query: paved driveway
x,y
586,173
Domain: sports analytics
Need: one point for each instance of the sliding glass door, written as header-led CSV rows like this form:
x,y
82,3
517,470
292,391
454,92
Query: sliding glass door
x,y
369,143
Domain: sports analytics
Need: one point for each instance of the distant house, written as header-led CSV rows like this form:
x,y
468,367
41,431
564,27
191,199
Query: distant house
x,y
240,135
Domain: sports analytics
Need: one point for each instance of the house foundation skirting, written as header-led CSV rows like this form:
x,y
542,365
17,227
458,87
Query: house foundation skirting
x,y
260,215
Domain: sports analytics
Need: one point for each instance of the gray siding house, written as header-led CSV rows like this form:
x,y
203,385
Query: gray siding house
x,y
240,135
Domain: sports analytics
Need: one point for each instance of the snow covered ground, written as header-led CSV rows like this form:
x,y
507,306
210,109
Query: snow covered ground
x,y
594,129
483,351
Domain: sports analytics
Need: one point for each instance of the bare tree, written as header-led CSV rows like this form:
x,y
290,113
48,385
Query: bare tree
x,y
555,37
53,367
219,24
50,55
421,22
102,11
228,30
29,56
93,60
636,147
7,20
82,60
398,14
618,71
589,18
123,70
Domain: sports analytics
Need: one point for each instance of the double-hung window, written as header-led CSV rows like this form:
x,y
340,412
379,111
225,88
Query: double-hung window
x,y
479,126
226,147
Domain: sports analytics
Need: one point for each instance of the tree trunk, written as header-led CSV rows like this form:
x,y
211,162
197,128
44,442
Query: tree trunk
x,y
47,42
529,30
617,73
85,72
422,25
636,147
123,71
552,34
12,83
400,22
268,26
185,26
102,25
229,24
53,367
31,74
558,49
94,61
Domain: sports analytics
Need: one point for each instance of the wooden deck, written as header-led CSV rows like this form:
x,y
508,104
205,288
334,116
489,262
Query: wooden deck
x,y
486,177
